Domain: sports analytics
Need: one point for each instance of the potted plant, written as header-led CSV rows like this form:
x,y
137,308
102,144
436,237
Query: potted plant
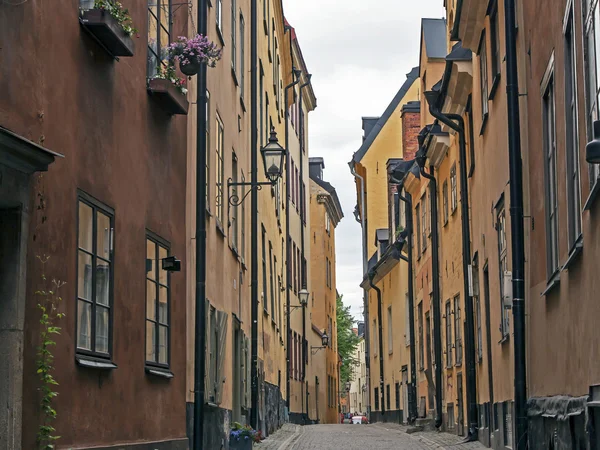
x,y
192,52
109,23
243,437
169,90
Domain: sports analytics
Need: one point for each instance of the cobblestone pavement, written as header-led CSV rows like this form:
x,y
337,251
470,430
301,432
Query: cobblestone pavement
x,y
361,437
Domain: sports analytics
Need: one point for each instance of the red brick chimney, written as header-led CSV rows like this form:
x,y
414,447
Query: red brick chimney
x,y
411,125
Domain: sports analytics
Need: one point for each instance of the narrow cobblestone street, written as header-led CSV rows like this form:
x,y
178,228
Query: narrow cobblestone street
x,y
351,437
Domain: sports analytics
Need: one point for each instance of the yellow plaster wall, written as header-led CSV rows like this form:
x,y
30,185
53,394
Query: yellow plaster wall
x,y
388,144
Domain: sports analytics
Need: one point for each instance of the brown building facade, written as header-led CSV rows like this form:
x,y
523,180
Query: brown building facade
x,y
106,215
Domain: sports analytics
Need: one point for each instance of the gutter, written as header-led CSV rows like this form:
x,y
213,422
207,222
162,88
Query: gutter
x,y
200,233
412,406
456,122
254,211
287,233
363,224
516,226
437,333
380,330
302,227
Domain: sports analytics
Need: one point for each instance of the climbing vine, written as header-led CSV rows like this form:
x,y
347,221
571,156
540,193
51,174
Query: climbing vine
x,y
48,306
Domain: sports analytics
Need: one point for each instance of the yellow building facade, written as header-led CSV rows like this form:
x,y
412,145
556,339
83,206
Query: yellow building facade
x,y
386,278
325,214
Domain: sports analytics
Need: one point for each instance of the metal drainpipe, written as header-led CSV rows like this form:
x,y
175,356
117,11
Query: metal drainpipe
x,y
380,329
302,226
459,127
254,210
363,224
437,333
200,319
413,414
517,227
287,233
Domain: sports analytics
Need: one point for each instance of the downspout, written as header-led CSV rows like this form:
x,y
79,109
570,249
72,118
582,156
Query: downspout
x,y
200,316
254,212
287,231
459,127
302,227
380,330
363,224
516,225
437,333
412,408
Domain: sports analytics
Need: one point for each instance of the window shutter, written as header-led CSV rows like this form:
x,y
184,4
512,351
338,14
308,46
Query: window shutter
x,y
221,345
207,356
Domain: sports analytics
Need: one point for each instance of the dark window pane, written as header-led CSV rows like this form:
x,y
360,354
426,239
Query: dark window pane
x,y
162,274
103,236
102,329
150,257
163,305
85,227
150,300
162,344
84,325
150,341
102,282
84,276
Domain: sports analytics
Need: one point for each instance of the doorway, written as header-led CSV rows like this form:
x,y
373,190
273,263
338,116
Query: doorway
x,y
238,387
459,389
431,389
405,394
12,313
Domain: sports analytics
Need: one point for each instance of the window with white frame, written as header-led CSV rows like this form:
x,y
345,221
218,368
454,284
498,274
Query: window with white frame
x,y
483,77
477,303
445,199
418,228
591,44
243,57
551,182
407,321
390,331
573,182
424,221
219,171
457,331
453,188
233,36
219,15
449,360
502,262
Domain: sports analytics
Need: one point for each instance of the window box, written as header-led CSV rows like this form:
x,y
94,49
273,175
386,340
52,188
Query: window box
x,y
168,96
105,29
241,444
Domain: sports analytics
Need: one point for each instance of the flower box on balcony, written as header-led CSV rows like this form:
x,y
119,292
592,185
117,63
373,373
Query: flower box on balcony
x,y
168,96
241,444
107,31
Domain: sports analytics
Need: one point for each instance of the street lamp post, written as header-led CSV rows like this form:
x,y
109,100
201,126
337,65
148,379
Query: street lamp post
x,y
324,344
273,159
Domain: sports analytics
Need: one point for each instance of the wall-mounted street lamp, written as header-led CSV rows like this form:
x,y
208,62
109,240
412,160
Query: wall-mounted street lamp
x,y
273,158
169,264
592,149
348,385
303,296
324,344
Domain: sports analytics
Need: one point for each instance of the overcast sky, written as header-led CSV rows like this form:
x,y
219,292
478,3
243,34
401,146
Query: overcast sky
x,y
359,52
